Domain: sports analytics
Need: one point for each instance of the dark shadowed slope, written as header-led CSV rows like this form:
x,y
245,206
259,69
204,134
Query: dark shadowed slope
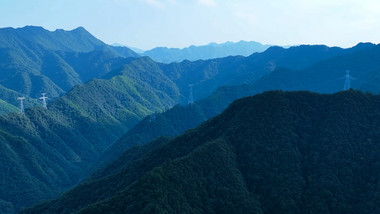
x,y
278,152
174,121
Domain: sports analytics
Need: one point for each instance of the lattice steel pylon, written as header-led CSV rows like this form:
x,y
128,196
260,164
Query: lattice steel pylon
x,y
190,101
43,98
21,99
347,80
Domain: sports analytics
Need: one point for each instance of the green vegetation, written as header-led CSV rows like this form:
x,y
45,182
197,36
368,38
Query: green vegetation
x,y
104,92
207,76
34,60
173,122
363,62
277,152
179,119
6,207
47,151
170,123
9,102
6,107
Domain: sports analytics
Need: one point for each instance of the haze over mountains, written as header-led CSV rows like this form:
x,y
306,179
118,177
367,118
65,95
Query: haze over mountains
x,y
30,54
106,100
204,52
179,119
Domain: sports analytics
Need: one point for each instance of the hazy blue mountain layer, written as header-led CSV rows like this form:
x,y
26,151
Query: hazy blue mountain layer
x,y
327,76
209,75
34,60
210,51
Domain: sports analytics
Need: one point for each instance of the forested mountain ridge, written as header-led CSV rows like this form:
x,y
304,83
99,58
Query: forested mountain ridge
x,y
47,151
328,76
208,75
277,152
173,122
364,57
205,52
32,59
94,113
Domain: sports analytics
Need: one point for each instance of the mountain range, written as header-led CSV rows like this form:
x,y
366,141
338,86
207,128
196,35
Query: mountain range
x,y
109,105
47,151
206,76
177,120
204,52
34,60
277,152
327,76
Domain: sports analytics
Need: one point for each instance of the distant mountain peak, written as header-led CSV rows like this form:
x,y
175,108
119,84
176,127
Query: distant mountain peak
x,y
210,51
80,29
35,53
364,45
32,27
42,29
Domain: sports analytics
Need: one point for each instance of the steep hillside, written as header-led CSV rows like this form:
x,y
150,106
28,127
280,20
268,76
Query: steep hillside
x,y
177,120
47,151
210,51
32,59
169,123
293,152
9,102
7,108
174,121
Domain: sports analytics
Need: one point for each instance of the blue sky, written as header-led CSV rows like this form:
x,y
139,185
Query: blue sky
x,y
179,23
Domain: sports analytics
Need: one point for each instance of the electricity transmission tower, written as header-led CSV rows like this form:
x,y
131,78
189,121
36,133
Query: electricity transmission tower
x,y
43,98
190,101
347,81
21,99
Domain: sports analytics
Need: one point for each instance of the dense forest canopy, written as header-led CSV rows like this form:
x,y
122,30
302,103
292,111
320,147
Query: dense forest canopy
x,y
277,152
104,100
